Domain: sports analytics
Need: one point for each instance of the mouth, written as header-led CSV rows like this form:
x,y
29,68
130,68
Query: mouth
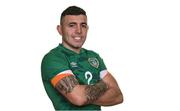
x,y
77,38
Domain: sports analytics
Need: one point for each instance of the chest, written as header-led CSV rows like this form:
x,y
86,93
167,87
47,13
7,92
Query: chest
x,y
85,69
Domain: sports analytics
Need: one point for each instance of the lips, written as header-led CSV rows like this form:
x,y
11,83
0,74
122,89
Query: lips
x,y
77,38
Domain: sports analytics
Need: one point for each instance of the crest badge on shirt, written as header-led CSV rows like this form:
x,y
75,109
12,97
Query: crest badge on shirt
x,y
94,62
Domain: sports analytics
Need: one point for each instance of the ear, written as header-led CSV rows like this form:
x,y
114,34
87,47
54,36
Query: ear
x,y
59,29
87,27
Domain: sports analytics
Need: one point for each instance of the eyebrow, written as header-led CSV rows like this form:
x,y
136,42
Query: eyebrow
x,y
83,23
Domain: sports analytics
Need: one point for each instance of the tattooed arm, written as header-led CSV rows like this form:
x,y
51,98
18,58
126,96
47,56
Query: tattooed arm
x,y
93,92
80,94
113,95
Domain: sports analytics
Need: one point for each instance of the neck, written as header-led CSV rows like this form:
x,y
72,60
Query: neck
x,y
76,50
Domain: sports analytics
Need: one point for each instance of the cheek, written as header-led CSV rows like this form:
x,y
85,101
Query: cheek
x,y
67,33
85,32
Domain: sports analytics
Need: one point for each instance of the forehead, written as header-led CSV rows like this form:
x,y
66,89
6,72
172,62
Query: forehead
x,y
74,18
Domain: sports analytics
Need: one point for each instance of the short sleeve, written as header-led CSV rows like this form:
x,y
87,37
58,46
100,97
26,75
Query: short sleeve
x,y
53,65
102,67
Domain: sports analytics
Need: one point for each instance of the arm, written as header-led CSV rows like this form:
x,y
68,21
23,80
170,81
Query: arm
x,y
113,95
79,94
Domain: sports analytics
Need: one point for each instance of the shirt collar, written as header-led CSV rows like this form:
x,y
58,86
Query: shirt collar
x,y
70,51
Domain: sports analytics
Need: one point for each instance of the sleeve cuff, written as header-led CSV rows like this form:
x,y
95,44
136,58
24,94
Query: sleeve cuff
x,y
59,76
103,73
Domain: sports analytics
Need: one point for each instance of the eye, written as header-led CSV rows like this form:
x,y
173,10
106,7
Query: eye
x,y
84,25
71,25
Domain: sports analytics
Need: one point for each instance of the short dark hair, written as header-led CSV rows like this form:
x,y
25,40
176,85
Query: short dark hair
x,y
72,10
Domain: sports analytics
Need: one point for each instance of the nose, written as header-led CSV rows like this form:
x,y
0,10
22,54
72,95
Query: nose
x,y
78,29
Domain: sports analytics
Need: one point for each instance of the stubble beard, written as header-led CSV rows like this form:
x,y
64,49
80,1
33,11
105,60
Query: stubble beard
x,y
71,46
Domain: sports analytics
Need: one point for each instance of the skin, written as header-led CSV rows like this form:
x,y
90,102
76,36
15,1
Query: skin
x,y
91,92
113,95
73,30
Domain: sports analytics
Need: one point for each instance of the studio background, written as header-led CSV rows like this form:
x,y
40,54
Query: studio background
x,y
138,40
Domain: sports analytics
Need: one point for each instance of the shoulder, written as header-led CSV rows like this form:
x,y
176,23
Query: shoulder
x,y
53,63
54,55
91,53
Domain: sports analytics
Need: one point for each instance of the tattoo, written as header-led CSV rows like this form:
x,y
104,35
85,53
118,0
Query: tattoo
x,y
67,84
93,92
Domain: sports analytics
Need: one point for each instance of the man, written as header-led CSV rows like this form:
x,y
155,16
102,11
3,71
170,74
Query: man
x,y
76,78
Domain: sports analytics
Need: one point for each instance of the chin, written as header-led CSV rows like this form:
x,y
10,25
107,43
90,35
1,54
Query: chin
x,y
78,46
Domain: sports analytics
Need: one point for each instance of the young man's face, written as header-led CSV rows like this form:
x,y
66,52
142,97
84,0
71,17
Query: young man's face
x,y
74,31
